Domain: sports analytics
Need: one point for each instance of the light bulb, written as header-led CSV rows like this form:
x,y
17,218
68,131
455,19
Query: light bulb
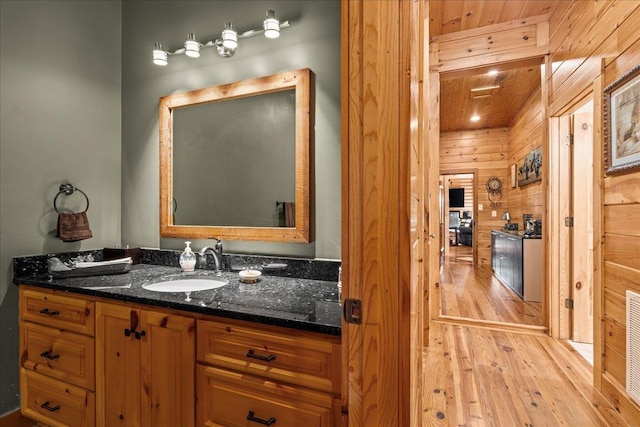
x,y
191,46
229,36
271,25
160,56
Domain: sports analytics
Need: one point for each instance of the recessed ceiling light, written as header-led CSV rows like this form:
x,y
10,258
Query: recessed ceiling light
x,y
483,88
492,73
475,118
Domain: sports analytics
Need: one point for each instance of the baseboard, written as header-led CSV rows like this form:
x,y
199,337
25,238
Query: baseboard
x,y
15,419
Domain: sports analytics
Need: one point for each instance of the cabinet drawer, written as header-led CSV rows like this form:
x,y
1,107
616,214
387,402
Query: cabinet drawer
x,y
54,403
63,355
233,399
67,313
293,358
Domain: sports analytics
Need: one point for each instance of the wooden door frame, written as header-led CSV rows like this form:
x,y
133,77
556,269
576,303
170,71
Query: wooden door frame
x,y
382,210
474,172
559,316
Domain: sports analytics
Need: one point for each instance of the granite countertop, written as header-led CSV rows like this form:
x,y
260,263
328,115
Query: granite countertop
x,y
519,234
310,305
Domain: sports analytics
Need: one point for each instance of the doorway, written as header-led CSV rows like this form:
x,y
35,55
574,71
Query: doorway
x,y
579,144
457,217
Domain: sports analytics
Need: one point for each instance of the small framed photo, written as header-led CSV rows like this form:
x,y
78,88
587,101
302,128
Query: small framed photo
x,y
622,123
513,175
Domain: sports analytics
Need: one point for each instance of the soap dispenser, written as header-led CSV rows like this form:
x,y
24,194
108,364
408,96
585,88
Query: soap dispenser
x,y
188,258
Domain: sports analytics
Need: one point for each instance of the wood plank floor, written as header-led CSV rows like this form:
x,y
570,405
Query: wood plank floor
x,y
473,292
483,377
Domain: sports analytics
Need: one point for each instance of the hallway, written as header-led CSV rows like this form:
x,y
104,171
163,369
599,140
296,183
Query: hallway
x,y
475,293
482,377
485,376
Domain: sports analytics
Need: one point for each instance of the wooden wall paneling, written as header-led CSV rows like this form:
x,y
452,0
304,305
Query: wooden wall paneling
x,y
622,250
628,45
619,189
583,65
614,365
623,219
505,42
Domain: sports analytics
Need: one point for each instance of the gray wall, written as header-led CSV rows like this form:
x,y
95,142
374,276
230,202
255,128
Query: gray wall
x,y
313,41
59,121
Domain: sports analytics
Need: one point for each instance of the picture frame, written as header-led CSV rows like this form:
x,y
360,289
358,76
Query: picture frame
x,y
513,175
622,123
530,168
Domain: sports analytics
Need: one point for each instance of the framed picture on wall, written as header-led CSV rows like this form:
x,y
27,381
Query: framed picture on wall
x,y
513,175
622,123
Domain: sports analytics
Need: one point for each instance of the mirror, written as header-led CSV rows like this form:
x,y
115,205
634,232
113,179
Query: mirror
x,y
236,160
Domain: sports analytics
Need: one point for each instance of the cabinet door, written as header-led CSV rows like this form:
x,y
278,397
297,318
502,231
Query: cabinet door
x,y
517,276
232,399
168,370
117,366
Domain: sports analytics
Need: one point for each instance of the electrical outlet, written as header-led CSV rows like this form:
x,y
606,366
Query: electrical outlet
x,y
494,213
480,206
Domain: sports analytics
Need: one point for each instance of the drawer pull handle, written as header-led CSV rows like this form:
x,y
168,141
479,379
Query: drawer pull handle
x,y
268,422
46,406
47,354
49,313
268,358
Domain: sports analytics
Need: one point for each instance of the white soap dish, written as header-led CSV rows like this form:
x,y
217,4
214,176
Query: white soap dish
x,y
250,276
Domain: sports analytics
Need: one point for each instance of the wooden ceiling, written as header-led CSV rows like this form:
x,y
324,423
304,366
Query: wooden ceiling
x,y
496,107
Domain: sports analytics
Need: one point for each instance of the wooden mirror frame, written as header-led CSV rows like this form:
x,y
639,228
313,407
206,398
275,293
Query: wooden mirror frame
x,y
303,83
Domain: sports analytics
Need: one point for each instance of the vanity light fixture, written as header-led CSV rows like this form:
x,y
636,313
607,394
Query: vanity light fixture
x,y
226,45
191,46
229,36
160,55
271,25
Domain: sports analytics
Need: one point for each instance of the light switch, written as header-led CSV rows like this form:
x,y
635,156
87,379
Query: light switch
x,y
480,206
494,213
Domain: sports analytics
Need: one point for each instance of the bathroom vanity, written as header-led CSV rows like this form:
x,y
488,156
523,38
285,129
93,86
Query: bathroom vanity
x,y
105,351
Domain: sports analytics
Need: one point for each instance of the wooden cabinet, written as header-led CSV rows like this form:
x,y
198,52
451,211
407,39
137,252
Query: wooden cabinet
x,y
57,357
145,364
517,262
258,374
104,363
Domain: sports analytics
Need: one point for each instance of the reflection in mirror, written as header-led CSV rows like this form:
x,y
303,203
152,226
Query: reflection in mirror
x,y
236,160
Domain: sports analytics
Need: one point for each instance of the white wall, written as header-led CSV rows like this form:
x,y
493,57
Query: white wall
x,y
313,41
60,85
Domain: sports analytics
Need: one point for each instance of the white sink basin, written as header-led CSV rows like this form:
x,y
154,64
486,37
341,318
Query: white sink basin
x,y
185,285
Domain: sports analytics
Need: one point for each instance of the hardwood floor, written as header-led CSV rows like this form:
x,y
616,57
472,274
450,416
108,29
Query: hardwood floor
x,y
483,377
473,292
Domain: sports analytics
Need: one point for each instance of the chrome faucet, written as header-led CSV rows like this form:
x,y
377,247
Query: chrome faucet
x,y
216,251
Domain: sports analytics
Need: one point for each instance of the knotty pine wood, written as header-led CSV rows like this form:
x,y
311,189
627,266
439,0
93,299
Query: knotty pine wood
x,y
450,16
584,37
379,76
473,292
525,135
459,152
486,377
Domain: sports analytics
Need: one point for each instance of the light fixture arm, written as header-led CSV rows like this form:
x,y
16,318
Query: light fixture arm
x,y
218,41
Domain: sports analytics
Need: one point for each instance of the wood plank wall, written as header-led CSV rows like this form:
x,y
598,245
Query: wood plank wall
x,y
584,35
525,134
486,151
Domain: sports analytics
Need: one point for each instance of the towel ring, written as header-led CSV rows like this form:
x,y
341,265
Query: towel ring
x,y
68,189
